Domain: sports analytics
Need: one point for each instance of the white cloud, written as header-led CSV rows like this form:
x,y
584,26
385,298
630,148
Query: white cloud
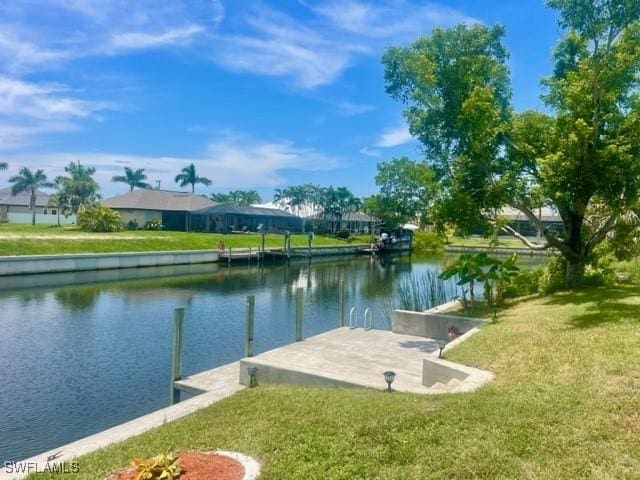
x,y
310,50
230,162
317,50
395,136
138,40
350,109
370,152
82,28
278,45
391,19
15,136
44,101
30,109
18,54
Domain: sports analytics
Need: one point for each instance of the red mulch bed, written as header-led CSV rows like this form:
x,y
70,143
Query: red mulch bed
x,y
199,466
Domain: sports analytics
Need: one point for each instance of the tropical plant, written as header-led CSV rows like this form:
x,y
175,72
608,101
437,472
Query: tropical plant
x,y
237,197
160,467
189,176
96,218
76,189
30,182
581,157
468,269
133,178
497,276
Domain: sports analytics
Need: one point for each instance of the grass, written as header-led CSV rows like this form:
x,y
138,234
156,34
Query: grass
x,y
564,405
477,241
42,240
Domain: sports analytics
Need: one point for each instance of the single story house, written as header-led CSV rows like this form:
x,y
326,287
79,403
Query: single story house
x,y
549,218
354,222
17,209
226,217
172,209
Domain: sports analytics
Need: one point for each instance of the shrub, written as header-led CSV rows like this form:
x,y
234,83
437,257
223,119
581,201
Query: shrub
x,y
629,270
160,467
427,242
526,282
132,225
95,218
343,234
553,275
153,225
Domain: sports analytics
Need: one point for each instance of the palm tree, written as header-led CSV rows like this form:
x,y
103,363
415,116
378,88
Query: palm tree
x,y
30,182
189,176
133,178
3,166
59,201
77,189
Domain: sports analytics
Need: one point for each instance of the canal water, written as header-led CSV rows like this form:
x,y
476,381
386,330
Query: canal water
x,y
82,352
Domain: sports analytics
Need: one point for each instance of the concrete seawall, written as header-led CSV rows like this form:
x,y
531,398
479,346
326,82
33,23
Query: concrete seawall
x,y
499,250
32,264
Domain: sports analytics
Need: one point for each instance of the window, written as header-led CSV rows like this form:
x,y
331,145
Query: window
x,y
54,211
44,211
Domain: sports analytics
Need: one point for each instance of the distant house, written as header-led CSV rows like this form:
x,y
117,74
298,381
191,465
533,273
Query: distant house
x,y
172,209
549,218
226,217
16,209
354,222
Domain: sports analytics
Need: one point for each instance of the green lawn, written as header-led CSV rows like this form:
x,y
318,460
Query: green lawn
x,y
565,405
477,241
27,240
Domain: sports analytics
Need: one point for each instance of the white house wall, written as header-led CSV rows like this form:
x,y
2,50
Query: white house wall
x,y
42,219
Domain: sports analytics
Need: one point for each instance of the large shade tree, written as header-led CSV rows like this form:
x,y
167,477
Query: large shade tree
x,y
583,157
30,182
405,191
133,178
189,176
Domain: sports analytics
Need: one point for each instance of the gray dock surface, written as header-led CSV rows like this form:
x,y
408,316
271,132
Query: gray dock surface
x,y
341,357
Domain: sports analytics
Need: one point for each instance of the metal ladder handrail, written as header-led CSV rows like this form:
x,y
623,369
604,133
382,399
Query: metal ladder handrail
x,y
367,314
353,317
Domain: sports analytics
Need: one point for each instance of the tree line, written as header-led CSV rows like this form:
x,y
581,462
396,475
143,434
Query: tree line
x,y
77,189
324,207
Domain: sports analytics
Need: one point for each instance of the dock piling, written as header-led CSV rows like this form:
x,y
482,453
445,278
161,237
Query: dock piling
x,y
299,305
176,361
248,338
341,303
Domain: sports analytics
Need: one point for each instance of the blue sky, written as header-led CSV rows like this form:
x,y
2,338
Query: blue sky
x,y
258,94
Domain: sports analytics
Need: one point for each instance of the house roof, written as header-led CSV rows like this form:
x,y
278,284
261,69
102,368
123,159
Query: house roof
x,y
22,199
546,214
164,200
228,208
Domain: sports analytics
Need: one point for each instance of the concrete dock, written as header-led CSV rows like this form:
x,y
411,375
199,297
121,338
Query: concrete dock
x,y
353,358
